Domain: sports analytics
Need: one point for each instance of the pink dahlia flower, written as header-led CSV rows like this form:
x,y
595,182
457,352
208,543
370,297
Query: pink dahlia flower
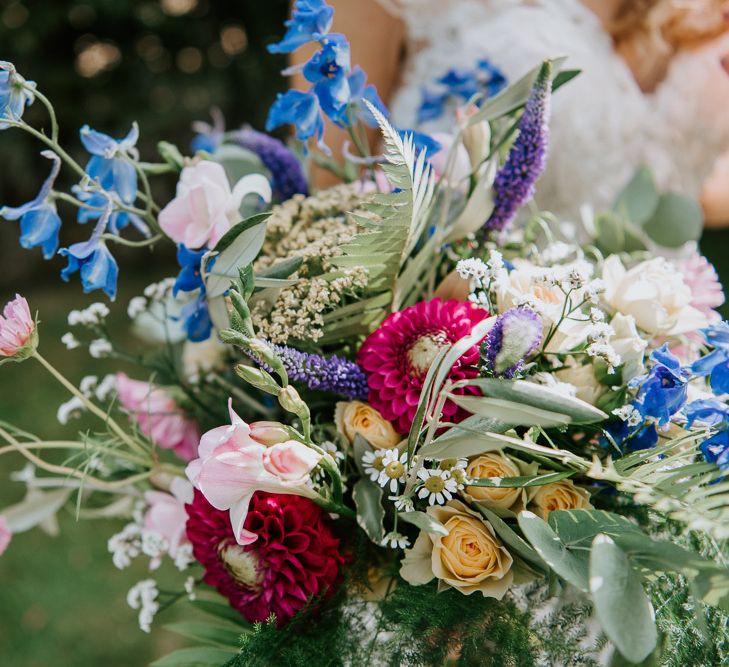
x,y
17,327
5,534
158,416
233,465
295,557
701,278
166,513
398,355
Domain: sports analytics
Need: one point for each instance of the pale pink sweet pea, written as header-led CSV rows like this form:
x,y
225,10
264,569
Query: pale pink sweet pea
x,y
158,416
232,466
5,534
16,327
205,207
701,277
166,513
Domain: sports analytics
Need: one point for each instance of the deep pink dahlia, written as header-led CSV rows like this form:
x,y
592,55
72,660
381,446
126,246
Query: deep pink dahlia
x,y
295,558
398,355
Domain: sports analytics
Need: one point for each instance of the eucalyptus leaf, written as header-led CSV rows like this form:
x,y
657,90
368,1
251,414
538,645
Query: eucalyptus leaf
x,y
512,540
425,522
367,498
610,233
639,199
572,567
676,220
208,633
622,606
198,656
542,397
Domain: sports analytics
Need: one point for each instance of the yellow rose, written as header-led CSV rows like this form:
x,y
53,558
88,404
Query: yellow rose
x,y
355,417
498,464
470,558
562,495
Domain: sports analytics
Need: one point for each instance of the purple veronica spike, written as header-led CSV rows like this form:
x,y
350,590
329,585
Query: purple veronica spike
x,y
333,374
516,334
288,177
515,181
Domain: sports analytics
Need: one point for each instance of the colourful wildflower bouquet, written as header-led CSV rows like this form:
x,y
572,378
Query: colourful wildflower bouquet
x,y
411,419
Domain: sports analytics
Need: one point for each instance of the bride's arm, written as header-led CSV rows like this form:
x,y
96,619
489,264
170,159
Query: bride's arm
x,y
376,37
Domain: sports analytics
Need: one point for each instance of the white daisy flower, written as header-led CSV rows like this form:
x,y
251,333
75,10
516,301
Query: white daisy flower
x,y
393,469
457,470
395,541
402,503
372,463
438,486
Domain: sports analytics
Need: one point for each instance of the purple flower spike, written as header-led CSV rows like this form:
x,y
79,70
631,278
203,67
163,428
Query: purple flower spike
x,y
516,334
333,374
515,182
286,172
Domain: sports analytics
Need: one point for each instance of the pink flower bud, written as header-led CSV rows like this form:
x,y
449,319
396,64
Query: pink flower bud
x,y
17,329
269,433
290,461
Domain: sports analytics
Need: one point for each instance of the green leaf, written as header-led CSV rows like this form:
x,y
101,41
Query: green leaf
x,y
511,539
580,526
514,413
539,396
622,606
521,481
676,220
221,611
367,498
238,162
564,77
639,199
282,269
236,230
425,522
208,633
572,567
196,657
468,438
610,233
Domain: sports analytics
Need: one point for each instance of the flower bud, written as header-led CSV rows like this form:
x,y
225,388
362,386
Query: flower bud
x,y
269,433
476,137
516,334
258,378
290,401
18,332
171,155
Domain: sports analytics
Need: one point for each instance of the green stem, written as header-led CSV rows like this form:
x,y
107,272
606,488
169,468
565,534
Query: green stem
x,y
51,112
133,244
156,168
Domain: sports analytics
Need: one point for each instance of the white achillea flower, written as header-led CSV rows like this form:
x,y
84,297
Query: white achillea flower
x,y
393,469
143,596
100,348
438,486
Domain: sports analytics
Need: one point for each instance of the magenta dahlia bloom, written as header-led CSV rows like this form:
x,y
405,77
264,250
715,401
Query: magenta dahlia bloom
x,y
295,559
398,355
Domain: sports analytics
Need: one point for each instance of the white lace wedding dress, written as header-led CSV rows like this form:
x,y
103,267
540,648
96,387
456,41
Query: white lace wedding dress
x,y
603,126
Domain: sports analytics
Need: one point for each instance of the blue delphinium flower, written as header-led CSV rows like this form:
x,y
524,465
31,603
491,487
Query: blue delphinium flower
x,y
92,258
15,94
111,162
716,450
360,91
287,175
631,437
94,202
516,334
514,184
195,315
713,413
663,391
300,109
422,141
39,219
716,363
208,136
310,21
490,77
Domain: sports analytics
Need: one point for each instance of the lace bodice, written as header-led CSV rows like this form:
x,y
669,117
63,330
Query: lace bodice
x,y
603,126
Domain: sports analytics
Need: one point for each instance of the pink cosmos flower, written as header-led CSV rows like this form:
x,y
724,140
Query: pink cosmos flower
x,y
5,534
16,327
233,466
205,208
700,276
295,556
158,416
166,514
398,355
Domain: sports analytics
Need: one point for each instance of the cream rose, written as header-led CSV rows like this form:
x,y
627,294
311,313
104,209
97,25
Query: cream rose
x,y
498,464
562,495
629,345
582,378
470,558
654,293
355,417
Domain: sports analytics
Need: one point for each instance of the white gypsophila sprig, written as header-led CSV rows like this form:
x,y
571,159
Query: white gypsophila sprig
x,y
605,352
70,341
137,305
71,409
556,251
190,588
395,540
183,557
126,545
100,348
437,486
105,387
596,315
393,469
155,546
600,333
143,597
629,414
593,290
159,291
88,385
94,314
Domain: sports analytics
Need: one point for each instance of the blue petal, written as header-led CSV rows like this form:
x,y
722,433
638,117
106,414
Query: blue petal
x,y
703,366
717,335
720,378
98,143
333,97
311,19
125,180
40,227
100,272
329,61
299,109
432,105
101,169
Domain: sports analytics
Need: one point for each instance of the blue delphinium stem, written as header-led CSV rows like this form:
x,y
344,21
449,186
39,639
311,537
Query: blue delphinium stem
x,y
515,181
333,374
288,176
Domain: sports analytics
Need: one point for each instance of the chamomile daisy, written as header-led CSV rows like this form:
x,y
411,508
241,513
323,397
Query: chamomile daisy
x,y
438,486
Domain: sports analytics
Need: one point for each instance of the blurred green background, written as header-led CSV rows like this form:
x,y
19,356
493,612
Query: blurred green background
x,y
163,63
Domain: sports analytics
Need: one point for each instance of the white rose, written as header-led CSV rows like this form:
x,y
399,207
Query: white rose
x,y
629,345
582,378
654,293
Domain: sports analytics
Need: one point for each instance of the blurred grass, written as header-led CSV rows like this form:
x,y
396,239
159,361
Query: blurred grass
x,y
62,602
